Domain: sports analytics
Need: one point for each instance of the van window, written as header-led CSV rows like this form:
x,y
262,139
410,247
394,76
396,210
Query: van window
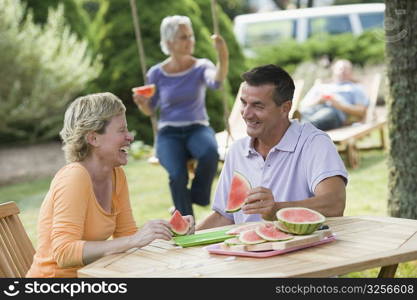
x,y
329,25
269,32
372,20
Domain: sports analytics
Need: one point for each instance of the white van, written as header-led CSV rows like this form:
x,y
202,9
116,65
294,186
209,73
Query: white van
x,y
263,29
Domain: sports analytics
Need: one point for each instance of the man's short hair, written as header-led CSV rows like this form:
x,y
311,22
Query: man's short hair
x,y
275,75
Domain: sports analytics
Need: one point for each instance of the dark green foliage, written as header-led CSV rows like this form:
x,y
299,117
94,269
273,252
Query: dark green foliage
x,y
361,50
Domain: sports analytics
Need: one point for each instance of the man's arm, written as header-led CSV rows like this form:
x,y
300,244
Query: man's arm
x,y
357,110
214,220
329,199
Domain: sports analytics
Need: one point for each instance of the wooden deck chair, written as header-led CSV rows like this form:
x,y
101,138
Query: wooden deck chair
x,y
347,137
16,249
237,124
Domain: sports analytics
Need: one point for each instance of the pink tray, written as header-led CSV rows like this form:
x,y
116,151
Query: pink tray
x,y
216,249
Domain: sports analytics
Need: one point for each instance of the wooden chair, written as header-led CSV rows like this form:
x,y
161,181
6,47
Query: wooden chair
x,y
16,249
237,124
346,138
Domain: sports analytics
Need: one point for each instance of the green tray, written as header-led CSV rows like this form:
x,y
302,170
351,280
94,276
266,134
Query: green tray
x,y
202,238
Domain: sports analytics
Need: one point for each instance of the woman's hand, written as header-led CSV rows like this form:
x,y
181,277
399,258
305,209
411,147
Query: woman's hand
x,y
190,220
139,99
152,230
220,46
223,56
143,103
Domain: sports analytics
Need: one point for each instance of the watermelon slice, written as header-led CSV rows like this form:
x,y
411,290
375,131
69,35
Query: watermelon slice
x,y
239,190
269,232
146,90
300,220
179,225
237,230
250,237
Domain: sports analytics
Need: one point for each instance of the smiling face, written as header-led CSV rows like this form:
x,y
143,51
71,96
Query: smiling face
x,y
111,147
264,119
183,42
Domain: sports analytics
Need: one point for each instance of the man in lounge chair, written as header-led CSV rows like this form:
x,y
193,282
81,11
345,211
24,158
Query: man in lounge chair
x,y
332,105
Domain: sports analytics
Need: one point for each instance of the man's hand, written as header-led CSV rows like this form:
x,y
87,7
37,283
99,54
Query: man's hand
x,y
261,201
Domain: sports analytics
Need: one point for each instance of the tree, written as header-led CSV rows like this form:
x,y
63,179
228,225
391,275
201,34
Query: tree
x,y
42,68
401,54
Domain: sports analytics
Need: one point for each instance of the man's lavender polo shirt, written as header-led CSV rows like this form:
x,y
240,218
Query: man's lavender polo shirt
x,y
292,169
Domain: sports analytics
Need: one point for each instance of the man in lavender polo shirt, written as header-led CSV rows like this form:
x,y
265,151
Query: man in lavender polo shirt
x,y
287,163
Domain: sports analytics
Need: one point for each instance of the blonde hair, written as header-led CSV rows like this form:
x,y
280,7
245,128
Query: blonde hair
x,y
91,113
169,27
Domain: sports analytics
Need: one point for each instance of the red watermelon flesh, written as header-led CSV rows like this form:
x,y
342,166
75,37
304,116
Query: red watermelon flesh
x,y
250,237
300,215
269,232
239,190
179,225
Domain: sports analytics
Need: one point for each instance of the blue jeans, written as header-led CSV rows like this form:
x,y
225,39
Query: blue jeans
x,y
322,116
175,145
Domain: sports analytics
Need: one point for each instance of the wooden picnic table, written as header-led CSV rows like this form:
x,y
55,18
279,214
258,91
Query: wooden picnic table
x,y
361,243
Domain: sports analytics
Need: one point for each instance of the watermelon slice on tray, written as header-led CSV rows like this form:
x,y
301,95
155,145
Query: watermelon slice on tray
x,y
239,190
269,232
299,220
250,237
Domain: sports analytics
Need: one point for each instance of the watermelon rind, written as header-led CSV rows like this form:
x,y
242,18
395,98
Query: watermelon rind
x,y
244,240
239,206
265,236
232,242
300,228
281,226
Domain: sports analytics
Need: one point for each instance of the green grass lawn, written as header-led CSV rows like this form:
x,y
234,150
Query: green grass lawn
x,y
150,197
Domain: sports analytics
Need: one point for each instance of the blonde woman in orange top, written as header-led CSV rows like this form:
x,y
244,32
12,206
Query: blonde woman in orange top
x,y
88,200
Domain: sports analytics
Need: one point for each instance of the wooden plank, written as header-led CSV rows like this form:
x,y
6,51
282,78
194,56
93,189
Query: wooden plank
x,y
8,209
11,245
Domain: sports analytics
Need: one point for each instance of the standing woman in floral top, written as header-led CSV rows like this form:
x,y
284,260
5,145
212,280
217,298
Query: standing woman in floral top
x,y
183,127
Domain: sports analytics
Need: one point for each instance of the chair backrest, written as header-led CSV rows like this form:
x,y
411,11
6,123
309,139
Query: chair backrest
x,y
299,84
371,85
16,249
372,91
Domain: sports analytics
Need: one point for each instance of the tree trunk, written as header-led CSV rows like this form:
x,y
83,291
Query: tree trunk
x,y
401,56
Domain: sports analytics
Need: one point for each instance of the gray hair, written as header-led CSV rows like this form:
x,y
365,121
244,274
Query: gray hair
x,y
169,27
91,113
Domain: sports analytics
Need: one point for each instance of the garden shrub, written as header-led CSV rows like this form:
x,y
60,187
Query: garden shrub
x,y
42,68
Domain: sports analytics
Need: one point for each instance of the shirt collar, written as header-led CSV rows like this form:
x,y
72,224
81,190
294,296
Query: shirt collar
x,y
288,142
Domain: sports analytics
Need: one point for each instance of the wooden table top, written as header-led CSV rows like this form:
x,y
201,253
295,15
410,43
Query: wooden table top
x,y
361,243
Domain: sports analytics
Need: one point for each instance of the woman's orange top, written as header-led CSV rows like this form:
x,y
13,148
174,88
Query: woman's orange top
x,y
70,215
